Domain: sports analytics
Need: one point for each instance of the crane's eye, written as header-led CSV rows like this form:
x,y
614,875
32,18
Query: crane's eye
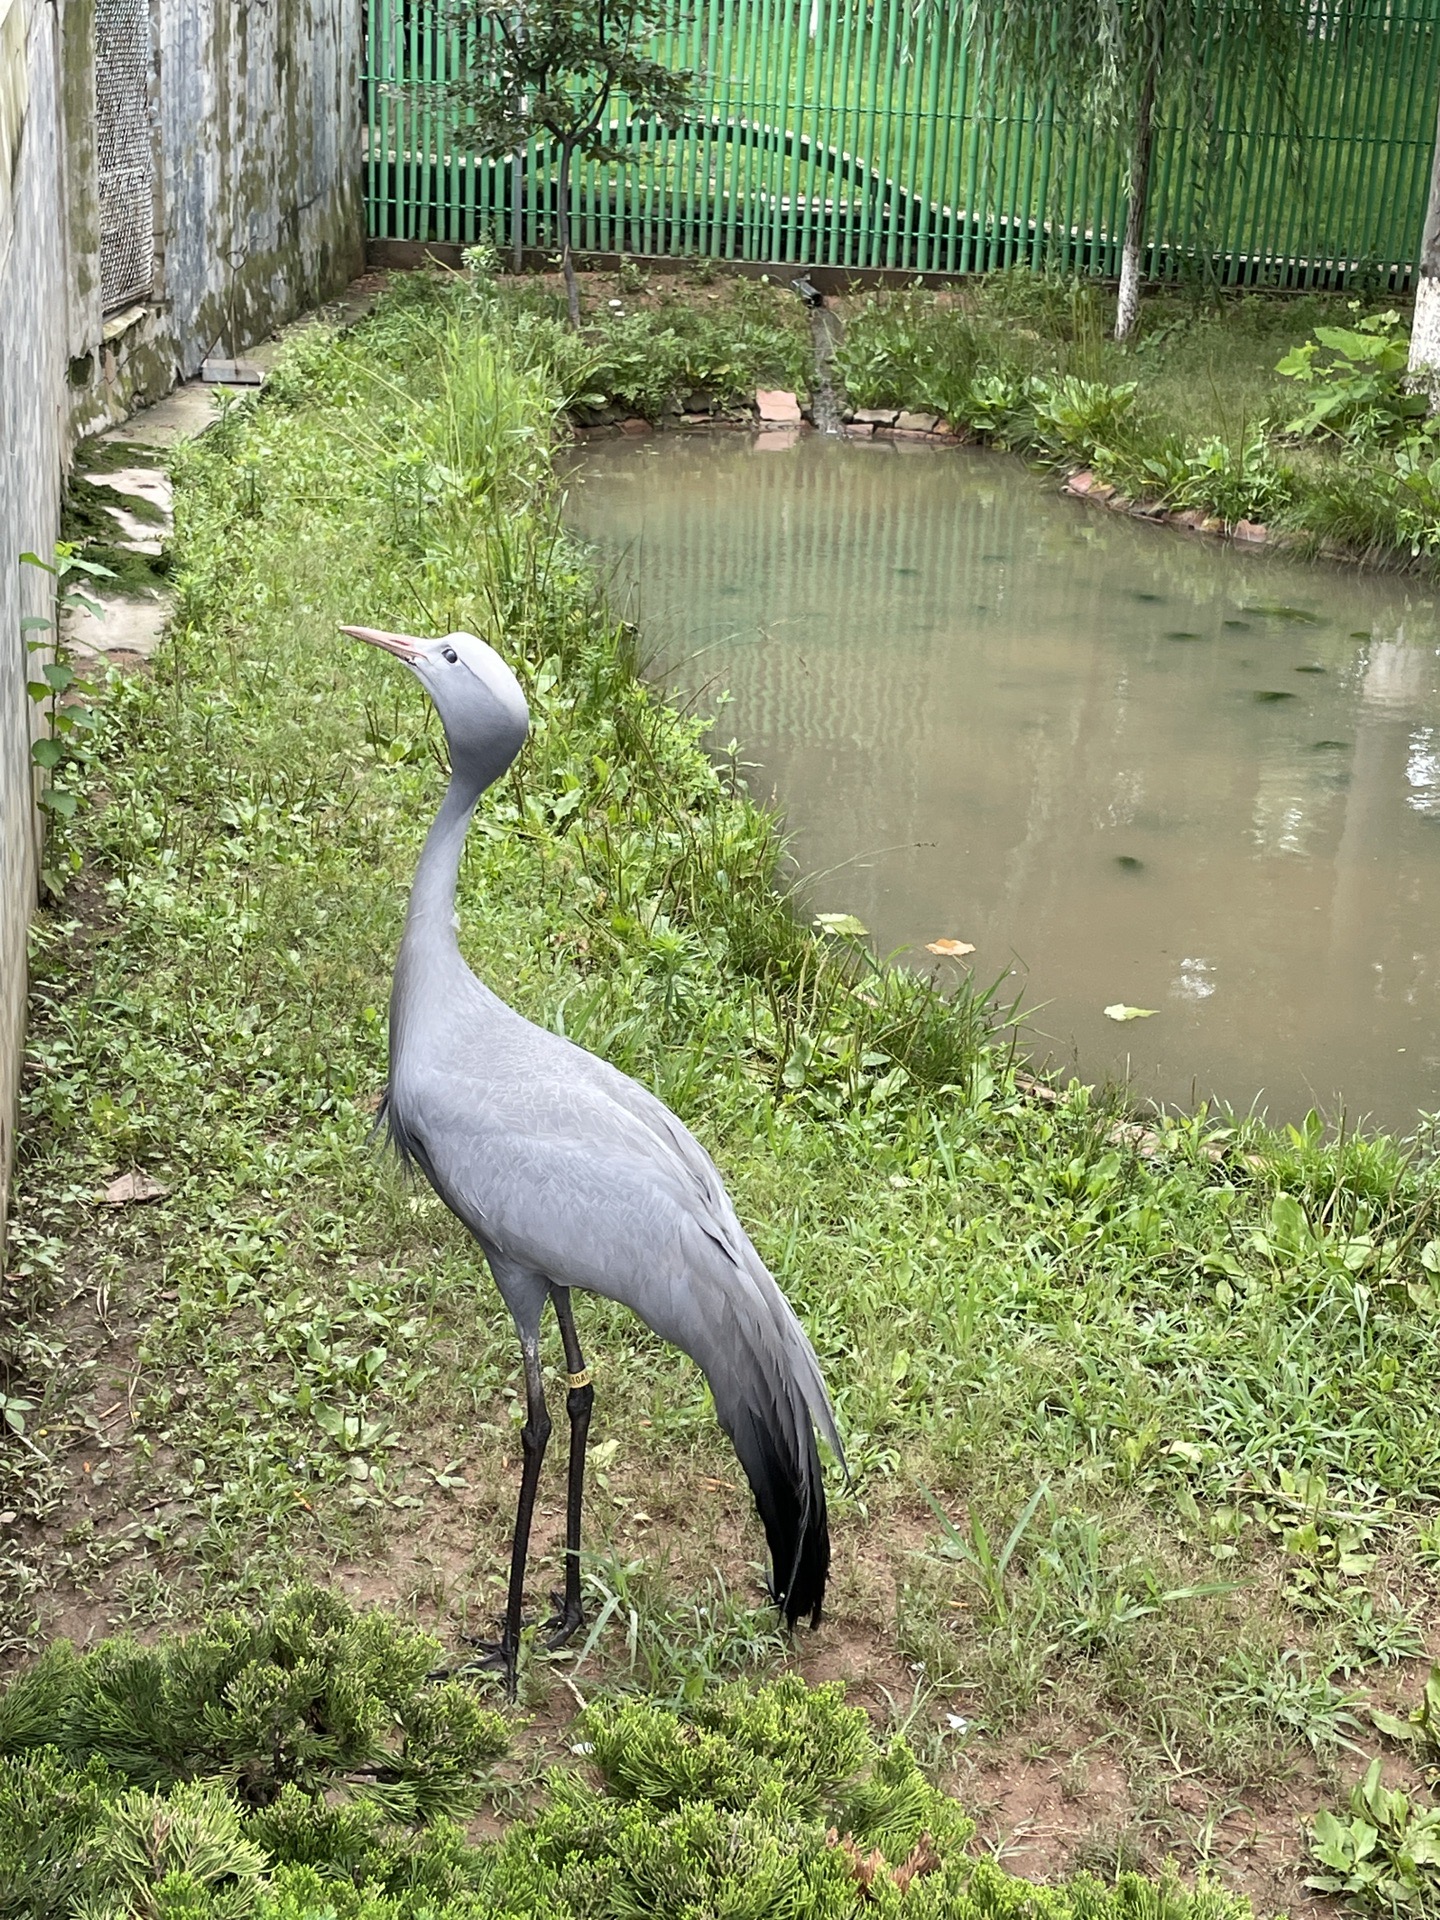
x,y
449,653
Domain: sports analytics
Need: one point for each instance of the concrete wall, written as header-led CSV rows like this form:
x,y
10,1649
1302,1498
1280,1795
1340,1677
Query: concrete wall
x,y
32,447
259,209
255,136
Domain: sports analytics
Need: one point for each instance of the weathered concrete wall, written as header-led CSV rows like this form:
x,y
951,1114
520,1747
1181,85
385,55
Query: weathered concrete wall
x,y
255,135
32,447
267,219
258,192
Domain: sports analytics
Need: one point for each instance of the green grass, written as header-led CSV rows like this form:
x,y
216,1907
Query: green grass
x,y
1203,1374
1193,415
648,346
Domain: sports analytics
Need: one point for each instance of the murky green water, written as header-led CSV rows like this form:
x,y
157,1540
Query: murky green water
x,y
1129,765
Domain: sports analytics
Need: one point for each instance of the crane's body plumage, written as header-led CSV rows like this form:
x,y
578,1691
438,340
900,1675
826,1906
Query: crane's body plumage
x,y
569,1174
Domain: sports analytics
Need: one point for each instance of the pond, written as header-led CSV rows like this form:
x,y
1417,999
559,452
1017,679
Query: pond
x,y
1132,767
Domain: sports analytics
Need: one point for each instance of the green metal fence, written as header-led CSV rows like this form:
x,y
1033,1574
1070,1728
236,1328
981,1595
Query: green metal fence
x,y
863,133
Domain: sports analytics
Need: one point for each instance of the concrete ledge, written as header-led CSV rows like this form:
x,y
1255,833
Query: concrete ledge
x,y
449,253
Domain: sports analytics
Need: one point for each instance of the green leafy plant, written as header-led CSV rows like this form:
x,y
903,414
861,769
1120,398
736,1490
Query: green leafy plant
x,y
1070,415
972,1549
997,405
1295,1693
1236,482
1385,1857
58,688
1420,1732
903,349
1355,380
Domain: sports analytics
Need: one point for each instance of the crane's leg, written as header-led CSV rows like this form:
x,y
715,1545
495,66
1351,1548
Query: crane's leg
x,y
533,1436
569,1609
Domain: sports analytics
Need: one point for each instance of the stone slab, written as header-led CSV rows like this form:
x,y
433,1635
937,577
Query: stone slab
x,y
877,416
918,422
777,407
146,483
232,373
189,410
140,536
123,626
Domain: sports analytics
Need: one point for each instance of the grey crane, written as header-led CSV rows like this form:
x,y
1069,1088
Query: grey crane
x,y
570,1174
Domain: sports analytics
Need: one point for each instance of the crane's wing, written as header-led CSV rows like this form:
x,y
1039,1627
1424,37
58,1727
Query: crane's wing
x,y
715,1203
552,1172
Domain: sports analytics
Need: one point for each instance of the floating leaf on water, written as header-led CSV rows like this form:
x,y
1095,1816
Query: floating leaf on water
x,y
1271,610
1330,746
845,924
1180,633
950,949
1267,695
1129,863
1312,669
1121,1012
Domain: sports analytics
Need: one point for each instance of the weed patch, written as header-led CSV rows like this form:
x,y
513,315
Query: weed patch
x,y
1201,412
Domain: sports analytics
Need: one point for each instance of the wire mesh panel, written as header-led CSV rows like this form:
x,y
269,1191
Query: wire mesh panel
x,y
868,133
126,152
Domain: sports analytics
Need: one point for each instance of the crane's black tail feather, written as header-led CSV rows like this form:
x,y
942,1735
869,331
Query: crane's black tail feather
x,y
776,1446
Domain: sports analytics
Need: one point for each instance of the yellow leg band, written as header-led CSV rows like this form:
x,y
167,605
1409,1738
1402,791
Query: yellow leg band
x,y
579,1379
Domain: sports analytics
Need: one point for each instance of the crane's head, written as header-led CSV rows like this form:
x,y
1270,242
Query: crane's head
x,y
476,695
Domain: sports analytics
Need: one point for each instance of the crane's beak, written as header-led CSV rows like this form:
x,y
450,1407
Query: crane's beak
x,y
400,644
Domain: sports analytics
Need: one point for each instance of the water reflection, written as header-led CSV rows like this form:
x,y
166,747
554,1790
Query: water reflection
x,y
1128,765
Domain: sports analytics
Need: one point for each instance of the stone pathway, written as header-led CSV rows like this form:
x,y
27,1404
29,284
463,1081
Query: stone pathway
x,y
127,628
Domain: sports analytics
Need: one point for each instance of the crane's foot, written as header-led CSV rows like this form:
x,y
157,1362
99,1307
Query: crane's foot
x,y
491,1656
564,1623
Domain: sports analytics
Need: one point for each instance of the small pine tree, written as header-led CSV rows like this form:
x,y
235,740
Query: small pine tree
x,y
312,1695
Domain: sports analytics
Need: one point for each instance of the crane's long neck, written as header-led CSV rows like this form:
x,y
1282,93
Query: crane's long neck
x,y
430,922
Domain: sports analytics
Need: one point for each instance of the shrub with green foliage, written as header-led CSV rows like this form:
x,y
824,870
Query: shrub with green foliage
x,y
132,1759
649,357
751,1804
311,1695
